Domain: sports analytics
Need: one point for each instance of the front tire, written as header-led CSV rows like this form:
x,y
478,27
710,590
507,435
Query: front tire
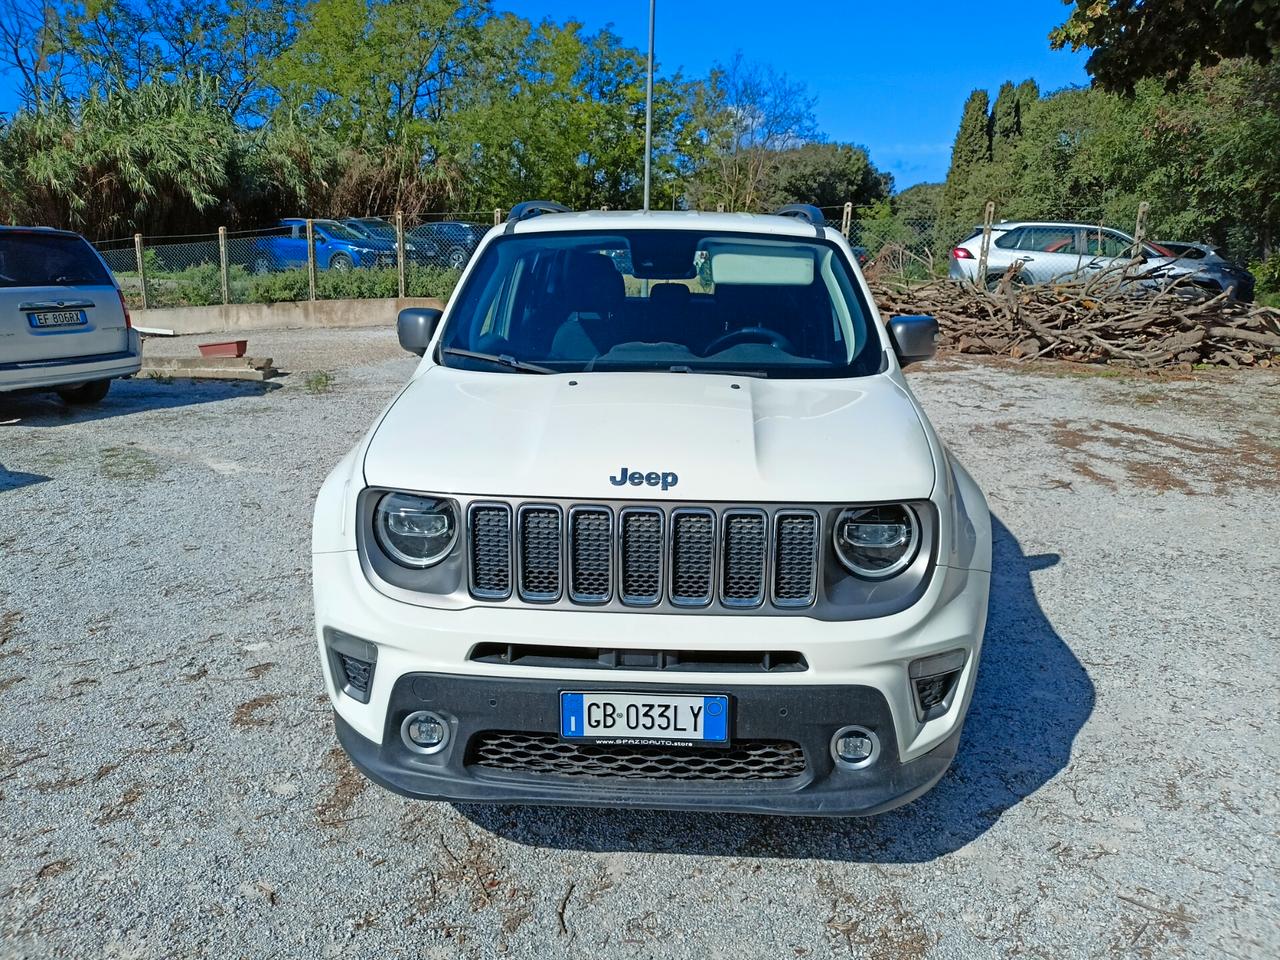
x,y
85,394
341,262
457,258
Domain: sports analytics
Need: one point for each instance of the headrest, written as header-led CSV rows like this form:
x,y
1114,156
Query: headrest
x,y
592,284
669,295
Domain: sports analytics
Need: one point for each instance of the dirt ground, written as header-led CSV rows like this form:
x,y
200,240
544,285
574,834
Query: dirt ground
x,y
170,785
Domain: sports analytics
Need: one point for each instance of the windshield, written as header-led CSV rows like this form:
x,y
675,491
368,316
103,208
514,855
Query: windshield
x,y
373,228
338,231
671,300
48,259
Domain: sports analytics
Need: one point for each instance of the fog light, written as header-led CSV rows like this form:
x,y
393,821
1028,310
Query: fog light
x,y
425,732
854,747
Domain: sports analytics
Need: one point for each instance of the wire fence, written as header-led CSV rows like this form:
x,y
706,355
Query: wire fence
x,y
373,257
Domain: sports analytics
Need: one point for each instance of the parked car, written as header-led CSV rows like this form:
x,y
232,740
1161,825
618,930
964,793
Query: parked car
x,y
1210,261
375,228
633,540
447,243
338,247
371,228
64,325
1044,252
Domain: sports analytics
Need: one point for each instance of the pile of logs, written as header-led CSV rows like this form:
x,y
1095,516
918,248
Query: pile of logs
x,y
1114,316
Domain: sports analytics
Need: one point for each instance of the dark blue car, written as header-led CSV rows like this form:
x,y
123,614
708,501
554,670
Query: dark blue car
x,y
338,247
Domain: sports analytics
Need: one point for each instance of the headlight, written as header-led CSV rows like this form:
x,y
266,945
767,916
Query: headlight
x,y
877,542
415,531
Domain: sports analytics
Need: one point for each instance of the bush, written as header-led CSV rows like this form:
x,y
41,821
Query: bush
x,y
280,287
430,282
201,286
1267,273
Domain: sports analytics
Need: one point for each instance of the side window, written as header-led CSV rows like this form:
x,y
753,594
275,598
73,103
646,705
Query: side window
x,y
1048,239
1010,240
1115,244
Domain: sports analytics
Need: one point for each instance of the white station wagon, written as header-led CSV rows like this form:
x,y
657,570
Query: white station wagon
x,y
656,522
63,321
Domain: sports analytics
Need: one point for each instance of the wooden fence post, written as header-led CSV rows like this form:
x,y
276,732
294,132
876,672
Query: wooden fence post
x,y
311,258
1140,228
987,217
846,219
142,269
400,251
222,265
497,216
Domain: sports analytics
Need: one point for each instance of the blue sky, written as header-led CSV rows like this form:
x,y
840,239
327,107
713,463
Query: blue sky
x,y
890,76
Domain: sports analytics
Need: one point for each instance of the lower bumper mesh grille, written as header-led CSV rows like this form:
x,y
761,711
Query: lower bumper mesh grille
x,y
544,754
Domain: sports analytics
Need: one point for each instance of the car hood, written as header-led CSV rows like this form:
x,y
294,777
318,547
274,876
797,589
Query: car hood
x,y
572,436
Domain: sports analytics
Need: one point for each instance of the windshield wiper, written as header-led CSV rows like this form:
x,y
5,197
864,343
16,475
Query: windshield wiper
x,y
681,368
501,360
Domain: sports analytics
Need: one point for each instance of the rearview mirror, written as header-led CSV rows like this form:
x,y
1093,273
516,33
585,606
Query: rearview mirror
x,y
914,338
416,326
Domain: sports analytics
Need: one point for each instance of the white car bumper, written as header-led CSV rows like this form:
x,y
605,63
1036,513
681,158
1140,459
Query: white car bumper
x,y
49,374
857,673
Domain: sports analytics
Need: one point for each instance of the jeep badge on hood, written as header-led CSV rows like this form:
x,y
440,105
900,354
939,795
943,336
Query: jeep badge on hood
x,y
666,480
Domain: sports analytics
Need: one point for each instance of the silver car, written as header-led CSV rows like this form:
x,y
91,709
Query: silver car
x,y
1044,252
63,321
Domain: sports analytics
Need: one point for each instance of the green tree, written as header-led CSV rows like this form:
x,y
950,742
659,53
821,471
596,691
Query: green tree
x,y
826,175
972,149
744,119
1132,40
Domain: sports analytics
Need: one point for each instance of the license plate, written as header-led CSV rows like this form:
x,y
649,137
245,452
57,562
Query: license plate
x,y
643,718
57,318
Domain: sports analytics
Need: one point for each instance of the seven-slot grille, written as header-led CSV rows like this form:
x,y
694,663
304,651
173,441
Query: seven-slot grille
x,y
641,556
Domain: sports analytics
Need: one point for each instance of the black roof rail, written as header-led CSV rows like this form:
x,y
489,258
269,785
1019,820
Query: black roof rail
x,y
803,211
533,208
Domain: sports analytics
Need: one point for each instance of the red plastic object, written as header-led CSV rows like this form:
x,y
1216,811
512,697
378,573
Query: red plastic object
x,y
960,253
228,348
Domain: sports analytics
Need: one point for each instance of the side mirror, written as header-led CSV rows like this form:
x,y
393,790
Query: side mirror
x,y
415,327
914,338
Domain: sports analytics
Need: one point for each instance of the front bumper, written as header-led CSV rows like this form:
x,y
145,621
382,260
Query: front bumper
x,y
804,714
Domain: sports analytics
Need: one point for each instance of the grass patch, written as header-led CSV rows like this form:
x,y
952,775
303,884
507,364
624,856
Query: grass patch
x,y
127,463
319,382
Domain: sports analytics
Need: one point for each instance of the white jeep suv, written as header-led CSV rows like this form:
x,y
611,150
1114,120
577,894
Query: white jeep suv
x,y
63,321
656,522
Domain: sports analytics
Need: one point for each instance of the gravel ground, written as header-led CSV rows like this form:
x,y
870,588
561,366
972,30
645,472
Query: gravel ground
x,y
170,785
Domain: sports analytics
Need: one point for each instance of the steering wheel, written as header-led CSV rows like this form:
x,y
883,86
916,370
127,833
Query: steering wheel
x,y
750,335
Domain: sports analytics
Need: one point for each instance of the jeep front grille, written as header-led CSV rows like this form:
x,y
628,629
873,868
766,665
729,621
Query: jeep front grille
x,y
685,557
489,529
540,550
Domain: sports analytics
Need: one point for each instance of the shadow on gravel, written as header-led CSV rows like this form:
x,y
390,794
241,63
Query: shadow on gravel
x,y
125,397
16,479
1031,700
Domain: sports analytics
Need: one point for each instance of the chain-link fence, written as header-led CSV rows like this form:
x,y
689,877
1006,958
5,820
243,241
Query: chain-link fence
x,y
387,256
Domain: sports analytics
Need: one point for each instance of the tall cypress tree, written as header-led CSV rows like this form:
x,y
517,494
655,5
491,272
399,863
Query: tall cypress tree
x,y
972,149
1006,121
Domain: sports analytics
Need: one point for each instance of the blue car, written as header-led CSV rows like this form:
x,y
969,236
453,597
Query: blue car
x,y
338,247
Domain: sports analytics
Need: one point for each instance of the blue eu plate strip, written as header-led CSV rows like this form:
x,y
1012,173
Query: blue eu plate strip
x,y
715,727
571,724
